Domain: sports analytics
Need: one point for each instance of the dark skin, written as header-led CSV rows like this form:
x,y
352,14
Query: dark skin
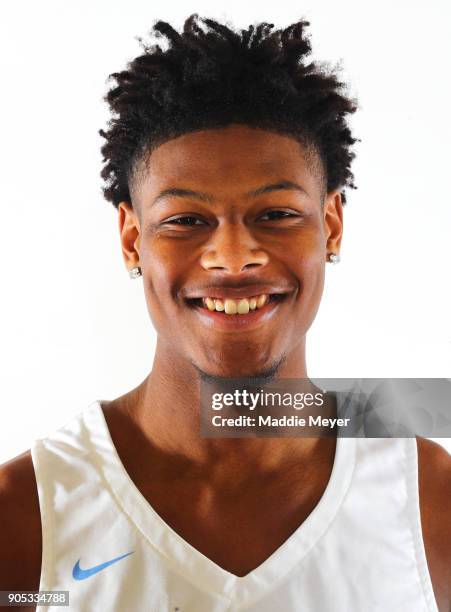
x,y
234,181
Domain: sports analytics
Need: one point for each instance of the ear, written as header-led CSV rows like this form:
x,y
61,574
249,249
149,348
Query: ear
x,y
129,230
333,221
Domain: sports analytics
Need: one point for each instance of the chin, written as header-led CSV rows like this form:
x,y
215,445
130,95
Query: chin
x,y
251,371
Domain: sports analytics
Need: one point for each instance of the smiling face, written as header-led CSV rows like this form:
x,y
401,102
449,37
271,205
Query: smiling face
x,y
231,218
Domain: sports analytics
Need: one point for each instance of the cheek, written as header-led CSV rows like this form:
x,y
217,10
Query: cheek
x,y
160,281
306,256
312,290
162,266
308,264
166,267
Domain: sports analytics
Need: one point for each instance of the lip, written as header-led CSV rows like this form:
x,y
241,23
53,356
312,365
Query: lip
x,y
244,322
247,291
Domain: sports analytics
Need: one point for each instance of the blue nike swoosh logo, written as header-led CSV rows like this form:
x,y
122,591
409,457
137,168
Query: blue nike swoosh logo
x,y
82,574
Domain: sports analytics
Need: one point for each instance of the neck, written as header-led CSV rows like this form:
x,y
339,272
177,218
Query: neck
x,y
166,408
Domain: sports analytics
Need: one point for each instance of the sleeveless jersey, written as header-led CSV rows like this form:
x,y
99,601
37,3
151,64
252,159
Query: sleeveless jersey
x,y
360,550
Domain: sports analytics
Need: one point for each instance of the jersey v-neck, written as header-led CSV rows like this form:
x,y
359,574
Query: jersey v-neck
x,y
190,562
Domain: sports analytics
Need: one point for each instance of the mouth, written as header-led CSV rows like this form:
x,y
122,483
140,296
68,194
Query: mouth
x,y
232,306
237,313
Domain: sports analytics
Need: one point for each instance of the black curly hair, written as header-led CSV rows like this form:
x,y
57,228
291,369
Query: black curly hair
x,y
210,76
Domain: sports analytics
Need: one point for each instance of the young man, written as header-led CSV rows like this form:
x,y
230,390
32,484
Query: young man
x,y
226,158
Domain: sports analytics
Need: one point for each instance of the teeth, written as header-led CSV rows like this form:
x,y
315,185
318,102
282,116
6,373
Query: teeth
x,y
210,303
261,300
219,305
243,307
231,307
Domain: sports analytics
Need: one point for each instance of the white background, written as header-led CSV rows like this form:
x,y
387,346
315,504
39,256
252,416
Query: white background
x,y
74,328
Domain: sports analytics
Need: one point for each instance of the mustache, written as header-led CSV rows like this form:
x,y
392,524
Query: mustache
x,y
250,286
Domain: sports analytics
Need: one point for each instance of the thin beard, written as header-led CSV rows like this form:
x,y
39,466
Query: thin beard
x,y
257,378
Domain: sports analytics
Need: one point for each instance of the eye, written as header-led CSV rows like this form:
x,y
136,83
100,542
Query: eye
x,y
277,214
185,220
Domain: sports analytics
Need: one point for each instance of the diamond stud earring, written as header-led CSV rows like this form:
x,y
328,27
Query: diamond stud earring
x,y
135,272
334,258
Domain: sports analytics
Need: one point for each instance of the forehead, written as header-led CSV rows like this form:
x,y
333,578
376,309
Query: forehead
x,y
226,162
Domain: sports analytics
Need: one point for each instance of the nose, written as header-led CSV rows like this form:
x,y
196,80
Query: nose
x,y
233,249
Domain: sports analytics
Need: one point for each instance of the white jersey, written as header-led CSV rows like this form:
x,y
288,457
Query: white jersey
x,y
360,550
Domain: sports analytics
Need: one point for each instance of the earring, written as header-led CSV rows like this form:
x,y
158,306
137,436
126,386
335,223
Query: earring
x,y
334,258
135,272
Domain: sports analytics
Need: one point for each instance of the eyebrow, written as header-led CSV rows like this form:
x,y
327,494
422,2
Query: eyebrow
x,y
277,187
205,197
182,193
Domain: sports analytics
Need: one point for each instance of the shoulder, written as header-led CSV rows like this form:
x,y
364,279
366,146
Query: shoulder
x,y
434,477
20,525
